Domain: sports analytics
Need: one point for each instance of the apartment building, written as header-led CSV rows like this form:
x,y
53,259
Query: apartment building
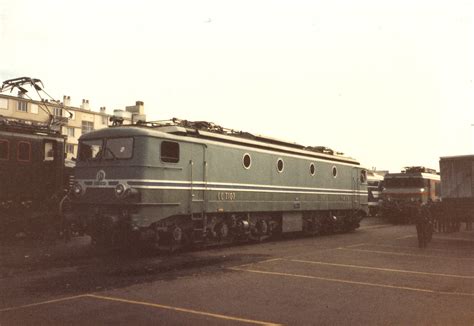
x,y
72,121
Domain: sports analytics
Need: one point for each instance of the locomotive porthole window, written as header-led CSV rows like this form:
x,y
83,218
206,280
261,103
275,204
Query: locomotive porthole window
x,y
312,169
247,160
280,165
170,152
334,171
24,151
4,149
363,176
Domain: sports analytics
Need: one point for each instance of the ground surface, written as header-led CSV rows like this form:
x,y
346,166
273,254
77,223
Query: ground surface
x,y
372,276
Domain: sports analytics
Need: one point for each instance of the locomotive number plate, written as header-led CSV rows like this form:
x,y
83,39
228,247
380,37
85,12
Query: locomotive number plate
x,y
226,195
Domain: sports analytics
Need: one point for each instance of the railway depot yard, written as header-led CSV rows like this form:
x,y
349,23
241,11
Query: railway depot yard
x,y
375,275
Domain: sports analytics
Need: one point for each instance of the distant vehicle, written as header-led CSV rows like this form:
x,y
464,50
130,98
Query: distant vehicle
x,y
177,183
457,192
374,187
403,191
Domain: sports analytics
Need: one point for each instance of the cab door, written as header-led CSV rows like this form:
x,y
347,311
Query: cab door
x,y
6,165
47,162
197,169
355,197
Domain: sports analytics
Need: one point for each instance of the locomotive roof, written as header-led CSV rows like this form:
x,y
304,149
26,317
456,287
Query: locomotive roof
x,y
23,127
243,139
408,175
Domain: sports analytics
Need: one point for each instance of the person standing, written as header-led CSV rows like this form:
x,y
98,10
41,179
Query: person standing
x,y
422,224
427,212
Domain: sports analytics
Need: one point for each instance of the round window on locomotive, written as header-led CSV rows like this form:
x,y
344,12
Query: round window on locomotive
x,y
312,169
280,165
334,171
247,161
363,176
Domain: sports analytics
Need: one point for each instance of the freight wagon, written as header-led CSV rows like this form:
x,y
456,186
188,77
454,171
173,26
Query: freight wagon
x,y
457,191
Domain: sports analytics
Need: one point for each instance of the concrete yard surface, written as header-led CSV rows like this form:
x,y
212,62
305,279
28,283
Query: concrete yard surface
x,y
375,275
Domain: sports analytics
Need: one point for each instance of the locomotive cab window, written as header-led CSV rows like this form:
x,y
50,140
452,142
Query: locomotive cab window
x,y
405,183
4,149
48,150
24,151
90,149
119,148
169,152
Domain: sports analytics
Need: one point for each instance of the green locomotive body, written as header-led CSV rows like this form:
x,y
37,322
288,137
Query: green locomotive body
x,y
176,184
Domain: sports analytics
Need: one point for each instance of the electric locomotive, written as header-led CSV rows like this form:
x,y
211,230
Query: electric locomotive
x,y
173,183
404,192
31,177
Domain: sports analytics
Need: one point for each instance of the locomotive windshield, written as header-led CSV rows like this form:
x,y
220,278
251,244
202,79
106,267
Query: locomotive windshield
x,y
109,149
373,184
405,183
118,148
90,149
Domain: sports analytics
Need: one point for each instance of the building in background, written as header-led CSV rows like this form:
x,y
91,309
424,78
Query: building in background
x,y
72,121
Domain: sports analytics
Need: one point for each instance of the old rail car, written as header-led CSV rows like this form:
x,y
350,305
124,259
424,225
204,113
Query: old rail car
x,y
374,187
457,192
184,182
31,177
404,191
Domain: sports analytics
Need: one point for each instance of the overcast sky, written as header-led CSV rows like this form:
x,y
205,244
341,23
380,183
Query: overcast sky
x,y
389,83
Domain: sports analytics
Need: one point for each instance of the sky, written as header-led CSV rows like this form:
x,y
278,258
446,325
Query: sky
x,y
389,83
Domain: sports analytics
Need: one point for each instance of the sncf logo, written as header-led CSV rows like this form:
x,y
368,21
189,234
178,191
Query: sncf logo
x,y
100,175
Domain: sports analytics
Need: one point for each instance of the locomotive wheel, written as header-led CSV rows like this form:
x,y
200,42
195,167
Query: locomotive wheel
x,y
177,234
314,227
222,231
179,238
262,227
261,231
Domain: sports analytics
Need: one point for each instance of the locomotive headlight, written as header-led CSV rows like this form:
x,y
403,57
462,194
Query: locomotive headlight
x,y
120,190
123,191
77,189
